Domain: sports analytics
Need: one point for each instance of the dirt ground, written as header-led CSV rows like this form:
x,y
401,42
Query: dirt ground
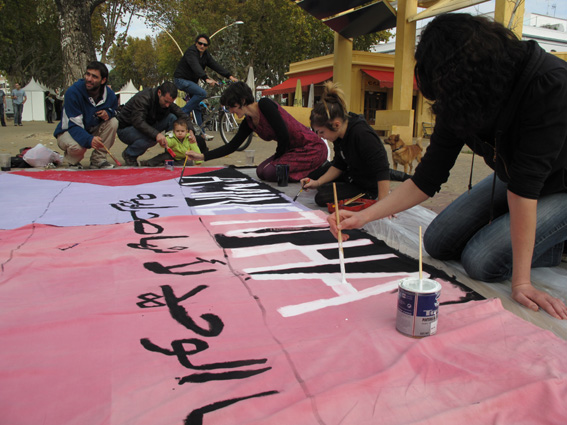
x,y
13,138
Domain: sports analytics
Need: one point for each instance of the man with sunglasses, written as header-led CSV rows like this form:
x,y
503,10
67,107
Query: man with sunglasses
x,y
191,69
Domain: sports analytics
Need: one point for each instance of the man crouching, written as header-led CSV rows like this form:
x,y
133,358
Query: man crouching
x,y
88,119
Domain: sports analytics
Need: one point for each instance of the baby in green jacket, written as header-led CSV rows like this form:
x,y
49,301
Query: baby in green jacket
x,y
179,143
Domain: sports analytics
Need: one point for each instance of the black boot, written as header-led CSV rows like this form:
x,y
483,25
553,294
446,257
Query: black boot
x,y
398,176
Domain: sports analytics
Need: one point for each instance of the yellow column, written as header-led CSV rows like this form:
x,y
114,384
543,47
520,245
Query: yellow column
x,y
507,14
342,65
404,63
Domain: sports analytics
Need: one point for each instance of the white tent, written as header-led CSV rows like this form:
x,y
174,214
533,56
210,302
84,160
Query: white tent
x,y
127,92
34,108
250,81
311,97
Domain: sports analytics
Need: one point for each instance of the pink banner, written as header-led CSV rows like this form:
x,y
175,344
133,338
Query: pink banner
x,y
244,319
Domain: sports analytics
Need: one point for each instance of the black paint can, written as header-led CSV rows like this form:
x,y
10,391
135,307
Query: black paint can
x,y
282,174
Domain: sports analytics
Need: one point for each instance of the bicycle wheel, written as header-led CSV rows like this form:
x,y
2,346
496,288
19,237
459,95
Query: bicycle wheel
x,y
229,128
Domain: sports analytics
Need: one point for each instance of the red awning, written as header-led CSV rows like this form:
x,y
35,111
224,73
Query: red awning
x,y
289,86
386,78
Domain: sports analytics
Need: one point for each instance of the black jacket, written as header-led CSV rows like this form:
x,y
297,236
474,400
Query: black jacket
x,y
361,155
143,111
527,142
192,66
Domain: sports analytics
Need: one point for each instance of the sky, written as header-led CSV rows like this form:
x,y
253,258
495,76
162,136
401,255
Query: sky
x,y
542,7
140,29
545,7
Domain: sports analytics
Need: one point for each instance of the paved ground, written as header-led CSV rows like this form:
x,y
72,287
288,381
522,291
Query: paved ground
x,y
13,138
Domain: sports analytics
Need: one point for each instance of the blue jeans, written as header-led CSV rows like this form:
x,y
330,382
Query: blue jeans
x,y
18,109
138,143
462,231
197,94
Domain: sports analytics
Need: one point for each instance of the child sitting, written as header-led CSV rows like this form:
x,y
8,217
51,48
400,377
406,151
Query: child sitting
x,y
179,142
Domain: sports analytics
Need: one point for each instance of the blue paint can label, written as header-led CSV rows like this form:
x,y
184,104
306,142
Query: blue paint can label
x,y
418,307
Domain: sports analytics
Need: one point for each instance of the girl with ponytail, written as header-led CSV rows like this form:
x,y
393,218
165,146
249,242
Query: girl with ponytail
x,y
360,163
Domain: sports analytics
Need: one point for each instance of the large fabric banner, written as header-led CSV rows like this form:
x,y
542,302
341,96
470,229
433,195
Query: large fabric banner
x,y
244,319
67,198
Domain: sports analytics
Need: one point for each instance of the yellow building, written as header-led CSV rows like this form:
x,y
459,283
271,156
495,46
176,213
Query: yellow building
x,y
368,78
372,87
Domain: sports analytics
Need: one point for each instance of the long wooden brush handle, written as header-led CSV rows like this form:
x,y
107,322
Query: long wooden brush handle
x,y
351,200
340,235
183,170
112,156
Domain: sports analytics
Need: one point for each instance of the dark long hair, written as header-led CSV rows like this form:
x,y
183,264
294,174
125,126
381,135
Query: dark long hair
x,y
466,65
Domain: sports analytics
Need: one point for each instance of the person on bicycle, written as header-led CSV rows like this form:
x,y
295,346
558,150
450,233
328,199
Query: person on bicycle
x,y
191,69
297,146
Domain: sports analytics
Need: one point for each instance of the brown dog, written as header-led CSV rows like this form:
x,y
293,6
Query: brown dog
x,y
402,153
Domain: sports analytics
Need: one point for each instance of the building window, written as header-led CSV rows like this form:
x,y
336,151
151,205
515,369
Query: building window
x,y
374,101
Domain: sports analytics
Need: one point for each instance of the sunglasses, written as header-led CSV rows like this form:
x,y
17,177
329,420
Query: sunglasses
x,y
202,44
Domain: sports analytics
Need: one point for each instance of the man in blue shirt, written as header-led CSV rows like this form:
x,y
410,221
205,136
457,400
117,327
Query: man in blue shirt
x,y
18,99
89,119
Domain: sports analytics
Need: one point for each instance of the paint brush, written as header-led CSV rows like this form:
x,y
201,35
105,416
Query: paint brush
x,y
300,190
170,151
420,262
351,200
112,156
340,236
183,170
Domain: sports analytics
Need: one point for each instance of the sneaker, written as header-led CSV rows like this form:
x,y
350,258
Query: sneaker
x,y
104,165
129,161
75,166
208,137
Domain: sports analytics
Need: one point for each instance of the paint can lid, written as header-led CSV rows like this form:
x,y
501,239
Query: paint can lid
x,y
426,286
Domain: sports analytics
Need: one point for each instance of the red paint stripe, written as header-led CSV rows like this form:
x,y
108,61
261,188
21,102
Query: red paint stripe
x,y
115,177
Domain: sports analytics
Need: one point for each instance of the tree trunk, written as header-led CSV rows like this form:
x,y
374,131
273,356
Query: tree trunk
x,y
76,36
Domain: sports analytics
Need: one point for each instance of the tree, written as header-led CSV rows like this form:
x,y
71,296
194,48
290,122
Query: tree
x,y
109,17
53,40
30,42
105,22
275,33
136,62
77,45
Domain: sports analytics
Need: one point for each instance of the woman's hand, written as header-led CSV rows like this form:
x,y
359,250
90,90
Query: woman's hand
x,y
348,220
194,156
533,299
309,184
